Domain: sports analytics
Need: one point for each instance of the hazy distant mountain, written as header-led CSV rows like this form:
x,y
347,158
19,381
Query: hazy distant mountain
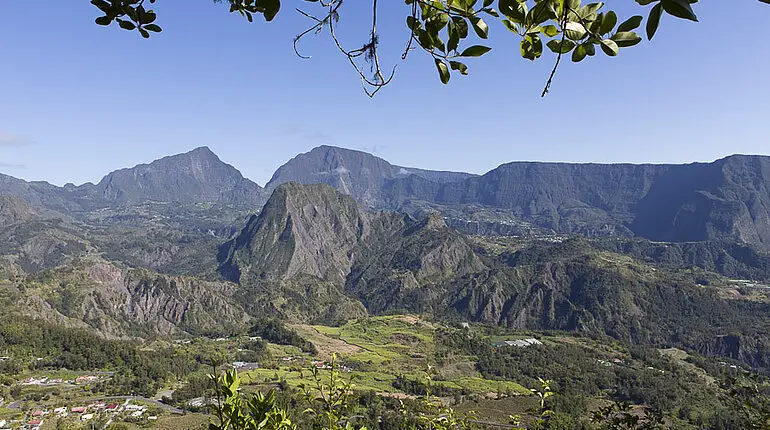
x,y
197,176
728,199
356,173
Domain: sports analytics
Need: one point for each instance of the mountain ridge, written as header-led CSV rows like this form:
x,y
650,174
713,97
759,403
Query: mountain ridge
x,y
728,199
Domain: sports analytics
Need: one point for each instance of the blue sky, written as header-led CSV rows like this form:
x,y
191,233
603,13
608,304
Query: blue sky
x,y
79,100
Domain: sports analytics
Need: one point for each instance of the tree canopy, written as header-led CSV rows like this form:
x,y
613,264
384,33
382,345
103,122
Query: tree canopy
x,y
451,31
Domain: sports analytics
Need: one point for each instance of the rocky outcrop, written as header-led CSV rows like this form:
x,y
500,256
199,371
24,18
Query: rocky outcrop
x,y
120,302
13,210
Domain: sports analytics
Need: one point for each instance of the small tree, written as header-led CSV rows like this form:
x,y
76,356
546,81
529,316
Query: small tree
x,y
328,397
257,412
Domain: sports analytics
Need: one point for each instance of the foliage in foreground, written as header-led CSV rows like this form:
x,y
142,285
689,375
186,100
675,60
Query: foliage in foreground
x,y
440,28
329,401
328,398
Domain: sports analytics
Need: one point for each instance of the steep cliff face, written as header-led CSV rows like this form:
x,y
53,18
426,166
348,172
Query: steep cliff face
x,y
727,199
309,230
312,232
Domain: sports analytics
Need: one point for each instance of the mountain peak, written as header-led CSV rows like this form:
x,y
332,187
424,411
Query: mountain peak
x,y
356,173
302,229
203,152
197,176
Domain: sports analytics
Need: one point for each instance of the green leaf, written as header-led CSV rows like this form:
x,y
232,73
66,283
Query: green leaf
x,y
271,8
153,27
456,65
550,30
413,23
443,71
126,25
654,20
475,51
454,36
595,25
488,3
579,53
103,20
609,47
462,26
513,9
144,33
608,22
574,30
424,38
680,9
631,23
149,17
559,47
491,12
588,10
542,12
625,39
436,22
531,46
512,26
480,27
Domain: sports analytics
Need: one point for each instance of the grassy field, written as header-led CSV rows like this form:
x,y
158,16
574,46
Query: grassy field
x,y
375,351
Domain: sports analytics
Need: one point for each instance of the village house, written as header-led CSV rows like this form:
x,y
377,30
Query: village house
x,y
242,365
34,381
86,417
97,405
86,379
34,424
78,410
135,408
198,402
521,343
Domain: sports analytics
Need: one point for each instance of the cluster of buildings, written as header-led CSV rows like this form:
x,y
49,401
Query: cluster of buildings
x,y
45,381
243,365
610,363
86,413
521,343
319,364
